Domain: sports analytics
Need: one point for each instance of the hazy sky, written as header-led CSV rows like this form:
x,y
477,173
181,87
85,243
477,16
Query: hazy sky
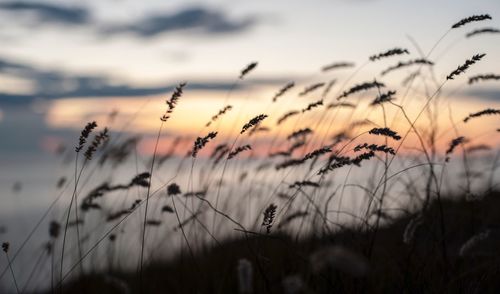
x,y
151,41
126,48
64,63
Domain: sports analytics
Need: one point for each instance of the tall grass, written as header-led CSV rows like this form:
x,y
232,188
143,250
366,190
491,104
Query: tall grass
x,y
315,164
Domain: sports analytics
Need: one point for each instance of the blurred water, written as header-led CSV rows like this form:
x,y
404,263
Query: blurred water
x,y
243,198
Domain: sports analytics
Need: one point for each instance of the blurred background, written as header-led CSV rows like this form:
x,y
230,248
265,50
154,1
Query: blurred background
x,y
64,63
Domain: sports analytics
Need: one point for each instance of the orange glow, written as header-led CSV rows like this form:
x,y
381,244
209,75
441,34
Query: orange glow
x,y
195,108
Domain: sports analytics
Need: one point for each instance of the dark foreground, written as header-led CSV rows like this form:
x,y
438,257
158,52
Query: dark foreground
x,y
349,261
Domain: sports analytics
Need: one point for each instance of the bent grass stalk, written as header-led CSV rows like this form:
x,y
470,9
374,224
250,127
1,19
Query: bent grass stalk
x,y
91,148
171,105
5,247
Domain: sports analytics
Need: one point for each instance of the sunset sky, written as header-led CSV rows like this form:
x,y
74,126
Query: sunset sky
x,y
67,63
63,64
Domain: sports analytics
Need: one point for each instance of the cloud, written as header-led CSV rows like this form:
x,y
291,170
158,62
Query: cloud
x,y
196,19
53,84
48,13
200,20
490,94
11,67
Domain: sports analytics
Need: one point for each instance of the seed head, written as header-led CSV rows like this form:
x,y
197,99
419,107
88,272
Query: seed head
x,y
5,247
84,135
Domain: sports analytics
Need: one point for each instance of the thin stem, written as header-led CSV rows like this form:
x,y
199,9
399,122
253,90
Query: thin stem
x,y
67,218
147,203
12,272
34,270
76,218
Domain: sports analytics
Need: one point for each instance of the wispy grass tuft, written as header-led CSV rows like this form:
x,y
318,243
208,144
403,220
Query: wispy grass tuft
x,y
286,116
362,87
253,122
313,105
173,101
311,88
200,142
453,144
462,68
389,53
84,135
385,132
470,19
483,31
400,65
488,111
248,69
485,77
384,97
300,133
374,147
337,65
219,114
283,90
269,215
238,150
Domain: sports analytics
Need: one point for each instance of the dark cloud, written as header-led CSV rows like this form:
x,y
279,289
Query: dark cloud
x,y
200,20
52,84
7,66
490,94
48,13
192,20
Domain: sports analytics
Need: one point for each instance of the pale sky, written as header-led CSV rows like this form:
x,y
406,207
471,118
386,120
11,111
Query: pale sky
x,y
67,52
286,37
64,63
